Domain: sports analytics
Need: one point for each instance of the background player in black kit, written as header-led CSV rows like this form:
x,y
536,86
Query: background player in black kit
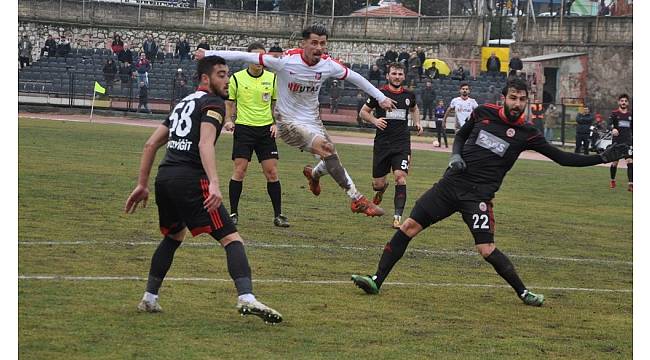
x,y
392,147
485,149
187,188
620,121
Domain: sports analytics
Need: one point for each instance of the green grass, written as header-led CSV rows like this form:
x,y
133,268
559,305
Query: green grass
x,y
74,179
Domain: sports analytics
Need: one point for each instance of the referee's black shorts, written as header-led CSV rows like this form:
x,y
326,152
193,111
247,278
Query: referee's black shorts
x,y
444,198
387,158
180,205
247,139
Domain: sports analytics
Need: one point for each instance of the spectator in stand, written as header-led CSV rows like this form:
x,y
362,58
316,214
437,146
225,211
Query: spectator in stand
x,y
432,72
64,47
459,74
584,121
24,51
552,117
182,90
182,50
441,127
179,76
604,9
374,73
117,45
276,50
126,71
515,65
143,98
143,66
203,44
415,66
335,95
381,64
126,55
160,56
150,48
403,57
422,56
50,47
390,56
110,71
428,100
493,64
493,95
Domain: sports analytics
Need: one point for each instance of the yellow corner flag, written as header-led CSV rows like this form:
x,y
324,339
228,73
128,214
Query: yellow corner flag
x,y
99,88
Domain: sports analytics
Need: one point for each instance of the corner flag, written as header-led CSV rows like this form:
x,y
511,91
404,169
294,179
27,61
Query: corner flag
x,y
99,88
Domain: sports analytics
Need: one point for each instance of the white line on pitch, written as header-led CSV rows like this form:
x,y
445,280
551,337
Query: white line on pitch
x,y
306,282
323,247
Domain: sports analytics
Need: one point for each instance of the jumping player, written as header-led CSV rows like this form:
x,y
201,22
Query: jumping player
x,y
187,188
300,75
620,121
485,149
392,147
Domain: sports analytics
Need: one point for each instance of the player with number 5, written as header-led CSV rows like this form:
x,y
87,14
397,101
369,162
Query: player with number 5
x,y
392,147
485,149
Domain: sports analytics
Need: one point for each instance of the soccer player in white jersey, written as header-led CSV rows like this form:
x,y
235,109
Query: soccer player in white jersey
x,y
300,75
462,106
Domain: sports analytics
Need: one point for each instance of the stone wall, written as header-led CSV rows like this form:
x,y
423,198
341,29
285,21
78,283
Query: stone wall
x,y
607,41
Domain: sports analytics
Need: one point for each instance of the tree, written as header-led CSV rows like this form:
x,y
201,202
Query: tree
x,y
323,7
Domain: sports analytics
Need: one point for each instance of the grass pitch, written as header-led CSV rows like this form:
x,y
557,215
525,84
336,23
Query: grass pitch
x,y
569,236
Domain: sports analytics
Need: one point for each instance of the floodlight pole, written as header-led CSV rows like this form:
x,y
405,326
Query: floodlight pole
x,y
332,19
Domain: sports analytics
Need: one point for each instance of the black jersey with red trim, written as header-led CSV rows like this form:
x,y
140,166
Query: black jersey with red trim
x,y
493,145
623,123
397,130
184,123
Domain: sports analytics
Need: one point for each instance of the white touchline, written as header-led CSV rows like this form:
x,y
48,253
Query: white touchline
x,y
305,282
324,247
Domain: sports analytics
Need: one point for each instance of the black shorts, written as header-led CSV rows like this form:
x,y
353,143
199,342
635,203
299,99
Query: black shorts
x,y
385,158
180,205
248,138
445,198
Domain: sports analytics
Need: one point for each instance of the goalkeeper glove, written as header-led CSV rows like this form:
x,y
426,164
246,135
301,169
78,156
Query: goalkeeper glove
x,y
615,152
456,164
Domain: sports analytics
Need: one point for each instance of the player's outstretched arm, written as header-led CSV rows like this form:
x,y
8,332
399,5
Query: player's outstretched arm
x,y
269,61
613,153
141,191
365,85
456,162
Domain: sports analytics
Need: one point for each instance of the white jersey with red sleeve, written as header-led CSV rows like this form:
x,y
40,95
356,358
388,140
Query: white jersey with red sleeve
x,y
298,83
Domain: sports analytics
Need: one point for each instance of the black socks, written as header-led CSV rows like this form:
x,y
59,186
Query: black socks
x,y
234,192
161,261
275,193
400,199
612,172
393,251
506,270
238,267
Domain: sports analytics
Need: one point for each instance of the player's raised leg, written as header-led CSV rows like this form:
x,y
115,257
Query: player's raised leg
x,y
360,204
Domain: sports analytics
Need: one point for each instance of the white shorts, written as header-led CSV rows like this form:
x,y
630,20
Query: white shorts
x,y
300,134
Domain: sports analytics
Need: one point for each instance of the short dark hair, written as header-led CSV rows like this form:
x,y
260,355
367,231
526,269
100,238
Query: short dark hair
x,y
255,46
516,83
624,96
317,29
464,84
395,65
206,65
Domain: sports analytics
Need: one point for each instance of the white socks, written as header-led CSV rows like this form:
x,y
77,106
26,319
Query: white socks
x,y
149,297
319,170
249,298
